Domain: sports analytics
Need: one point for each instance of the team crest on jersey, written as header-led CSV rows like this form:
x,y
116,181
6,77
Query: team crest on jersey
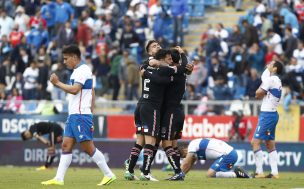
x,y
267,132
230,166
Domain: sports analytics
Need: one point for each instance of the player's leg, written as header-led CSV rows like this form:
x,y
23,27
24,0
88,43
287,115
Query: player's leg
x,y
64,163
273,159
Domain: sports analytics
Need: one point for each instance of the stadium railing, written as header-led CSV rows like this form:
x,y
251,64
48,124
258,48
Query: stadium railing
x,y
109,107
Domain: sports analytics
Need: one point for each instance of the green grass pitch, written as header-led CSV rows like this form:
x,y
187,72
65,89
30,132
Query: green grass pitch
x,y
84,178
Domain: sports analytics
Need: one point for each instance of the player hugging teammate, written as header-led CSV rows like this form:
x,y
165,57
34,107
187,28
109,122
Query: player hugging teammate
x,y
159,115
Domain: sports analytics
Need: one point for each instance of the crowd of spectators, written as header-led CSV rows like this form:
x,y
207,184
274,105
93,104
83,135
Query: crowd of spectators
x,y
110,33
229,61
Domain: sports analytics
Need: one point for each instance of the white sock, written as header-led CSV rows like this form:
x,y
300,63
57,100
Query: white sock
x,y
258,156
229,174
100,160
273,161
65,161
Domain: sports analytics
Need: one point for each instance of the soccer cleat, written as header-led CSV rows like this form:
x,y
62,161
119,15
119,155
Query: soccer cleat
x,y
107,180
53,182
256,175
177,177
42,168
130,176
241,173
148,177
272,176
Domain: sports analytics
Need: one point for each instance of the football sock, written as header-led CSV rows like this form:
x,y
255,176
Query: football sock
x,y
172,158
100,160
154,151
64,163
135,151
258,156
273,161
177,152
49,160
148,157
229,174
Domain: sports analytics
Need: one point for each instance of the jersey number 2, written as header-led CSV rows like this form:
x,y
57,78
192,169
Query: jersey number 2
x,y
146,81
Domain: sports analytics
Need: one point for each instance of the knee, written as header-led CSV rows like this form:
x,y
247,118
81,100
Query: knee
x,y
65,147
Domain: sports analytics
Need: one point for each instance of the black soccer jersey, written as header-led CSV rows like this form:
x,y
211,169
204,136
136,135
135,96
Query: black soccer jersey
x,y
175,90
43,128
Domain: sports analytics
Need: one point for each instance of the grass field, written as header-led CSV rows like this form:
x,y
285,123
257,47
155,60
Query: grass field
x,y
83,178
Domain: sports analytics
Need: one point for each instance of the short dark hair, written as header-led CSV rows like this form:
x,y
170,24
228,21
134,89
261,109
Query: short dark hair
x,y
161,54
23,135
279,67
72,50
149,43
175,55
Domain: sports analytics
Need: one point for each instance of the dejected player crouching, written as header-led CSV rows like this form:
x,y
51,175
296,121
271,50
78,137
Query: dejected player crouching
x,y
213,149
55,133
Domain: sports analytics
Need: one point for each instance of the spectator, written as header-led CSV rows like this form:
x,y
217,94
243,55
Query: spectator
x,y
6,23
54,51
30,77
36,21
218,70
14,102
278,24
198,77
253,84
299,54
63,76
128,37
274,40
101,70
266,25
178,11
5,48
16,36
241,127
132,79
287,99
236,37
84,34
238,59
64,13
2,101
114,80
221,32
291,43
123,74
48,12
21,19
250,35
255,57
87,19
23,60
38,37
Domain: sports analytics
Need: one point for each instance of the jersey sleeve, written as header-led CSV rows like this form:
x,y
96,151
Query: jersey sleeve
x,y
192,148
265,74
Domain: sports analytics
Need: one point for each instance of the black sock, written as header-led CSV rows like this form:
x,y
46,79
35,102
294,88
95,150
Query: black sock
x,y
172,158
49,160
135,151
154,152
148,158
177,152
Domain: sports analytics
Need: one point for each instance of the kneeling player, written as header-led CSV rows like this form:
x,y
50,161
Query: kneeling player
x,y
55,133
206,149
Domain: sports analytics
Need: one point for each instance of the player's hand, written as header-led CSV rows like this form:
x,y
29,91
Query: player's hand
x,y
54,79
142,71
179,49
154,62
189,67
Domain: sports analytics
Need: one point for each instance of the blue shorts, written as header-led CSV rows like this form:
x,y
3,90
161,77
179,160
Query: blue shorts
x,y
226,162
79,127
266,126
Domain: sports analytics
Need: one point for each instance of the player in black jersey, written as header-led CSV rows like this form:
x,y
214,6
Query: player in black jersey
x,y
173,115
55,133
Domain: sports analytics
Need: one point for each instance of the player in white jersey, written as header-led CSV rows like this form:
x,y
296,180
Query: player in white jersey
x,y
270,91
213,149
79,126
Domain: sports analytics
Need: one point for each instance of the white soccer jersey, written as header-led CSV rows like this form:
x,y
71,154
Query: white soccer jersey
x,y
81,102
272,84
209,148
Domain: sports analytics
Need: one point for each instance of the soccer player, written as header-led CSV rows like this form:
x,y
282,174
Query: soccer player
x,y
151,48
213,149
270,91
55,133
79,126
172,119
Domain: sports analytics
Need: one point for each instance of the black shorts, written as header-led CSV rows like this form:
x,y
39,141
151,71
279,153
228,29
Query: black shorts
x,y
150,119
137,120
172,123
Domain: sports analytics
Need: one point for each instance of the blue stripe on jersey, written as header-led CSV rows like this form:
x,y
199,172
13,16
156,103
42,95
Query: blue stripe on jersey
x,y
88,84
201,153
71,81
276,92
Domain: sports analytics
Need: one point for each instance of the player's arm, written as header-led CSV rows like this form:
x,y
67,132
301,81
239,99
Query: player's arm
x,y
260,93
156,78
188,162
41,139
72,89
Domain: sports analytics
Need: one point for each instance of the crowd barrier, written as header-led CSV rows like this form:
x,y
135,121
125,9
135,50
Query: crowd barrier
x,y
32,153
